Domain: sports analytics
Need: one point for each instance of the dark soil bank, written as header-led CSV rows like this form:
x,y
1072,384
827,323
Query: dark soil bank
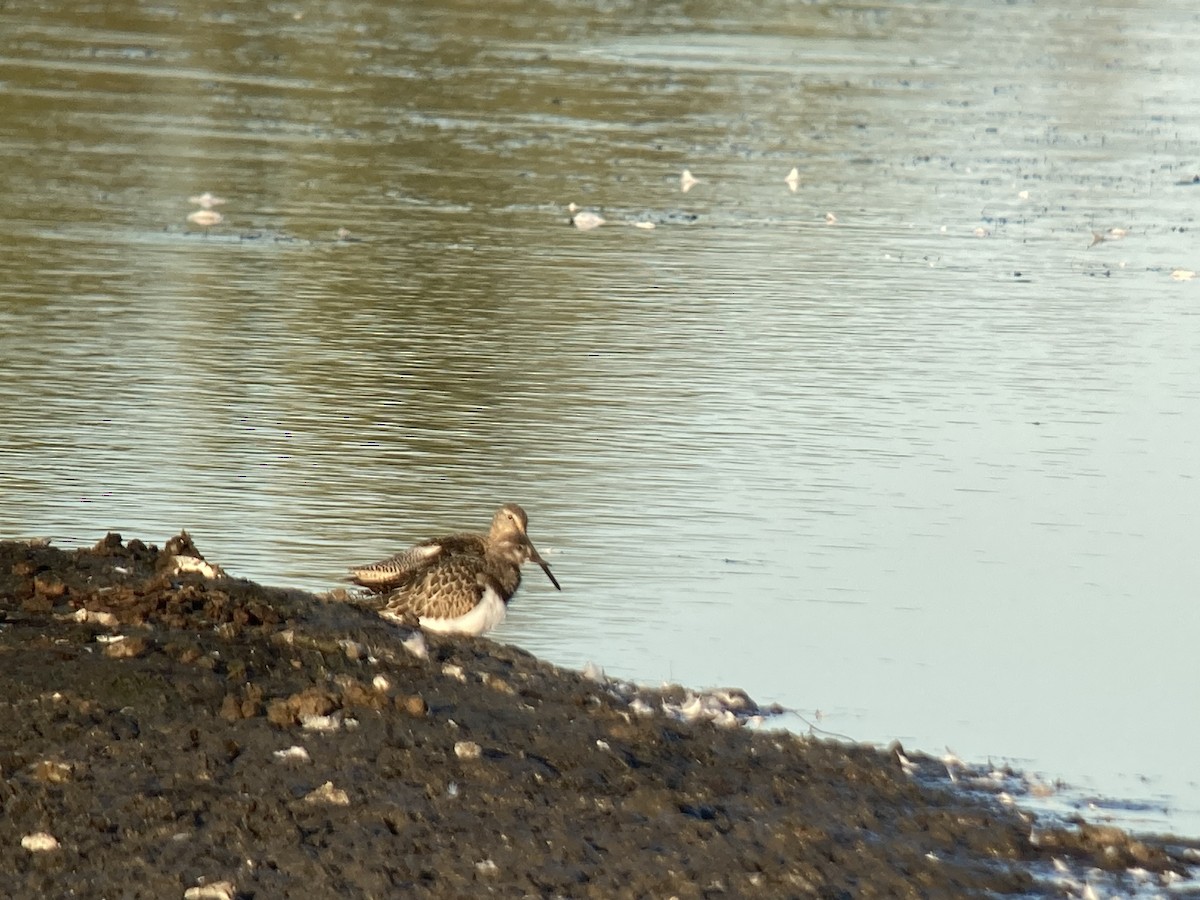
x,y
243,741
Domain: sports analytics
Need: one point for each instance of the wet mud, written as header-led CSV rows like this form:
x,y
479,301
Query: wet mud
x,y
172,732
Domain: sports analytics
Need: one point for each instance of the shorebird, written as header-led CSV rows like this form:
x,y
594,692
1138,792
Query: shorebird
x,y
460,583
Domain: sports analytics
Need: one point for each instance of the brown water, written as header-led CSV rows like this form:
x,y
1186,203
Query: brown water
x,y
927,465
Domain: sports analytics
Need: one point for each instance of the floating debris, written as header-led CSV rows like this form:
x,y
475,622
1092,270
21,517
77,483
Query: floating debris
x,y
207,200
1023,195
830,219
205,218
39,842
793,179
648,226
586,221
1182,274
981,232
1113,234
687,181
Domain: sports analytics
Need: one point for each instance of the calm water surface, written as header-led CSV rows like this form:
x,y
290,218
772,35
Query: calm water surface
x,y
927,467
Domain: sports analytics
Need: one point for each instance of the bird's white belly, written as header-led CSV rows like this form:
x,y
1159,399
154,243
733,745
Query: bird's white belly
x,y
484,616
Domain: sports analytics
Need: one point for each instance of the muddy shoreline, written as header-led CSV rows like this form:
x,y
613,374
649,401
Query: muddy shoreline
x,y
171,731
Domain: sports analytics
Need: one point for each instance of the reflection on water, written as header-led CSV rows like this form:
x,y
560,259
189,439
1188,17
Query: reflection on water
x,y
938,486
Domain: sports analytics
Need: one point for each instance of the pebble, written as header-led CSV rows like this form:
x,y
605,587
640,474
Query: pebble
x,y
486,867
217,890
467,750
107,619
327,793
320,723
128,648
39,841
294,753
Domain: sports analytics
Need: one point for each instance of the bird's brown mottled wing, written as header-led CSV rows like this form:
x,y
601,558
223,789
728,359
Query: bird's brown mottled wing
x,y
446,589
389,574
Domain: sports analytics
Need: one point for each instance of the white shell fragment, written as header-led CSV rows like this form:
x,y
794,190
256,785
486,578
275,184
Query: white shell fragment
x,y
327,793
294,753
793,179
39,842
415,645
687,181
107,619
320,723
216,890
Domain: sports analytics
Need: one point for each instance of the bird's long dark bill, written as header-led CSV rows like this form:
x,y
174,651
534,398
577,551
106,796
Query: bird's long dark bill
x,y
537,558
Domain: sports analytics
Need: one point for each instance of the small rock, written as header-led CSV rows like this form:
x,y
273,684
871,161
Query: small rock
x,y
467,750
486,867
50,587
39,841
327,793
217,890
51,772
128,648
293,754
321,723
414,705
106,619
498,684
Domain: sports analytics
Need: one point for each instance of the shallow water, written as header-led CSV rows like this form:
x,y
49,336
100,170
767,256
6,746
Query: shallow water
x,y
923,469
